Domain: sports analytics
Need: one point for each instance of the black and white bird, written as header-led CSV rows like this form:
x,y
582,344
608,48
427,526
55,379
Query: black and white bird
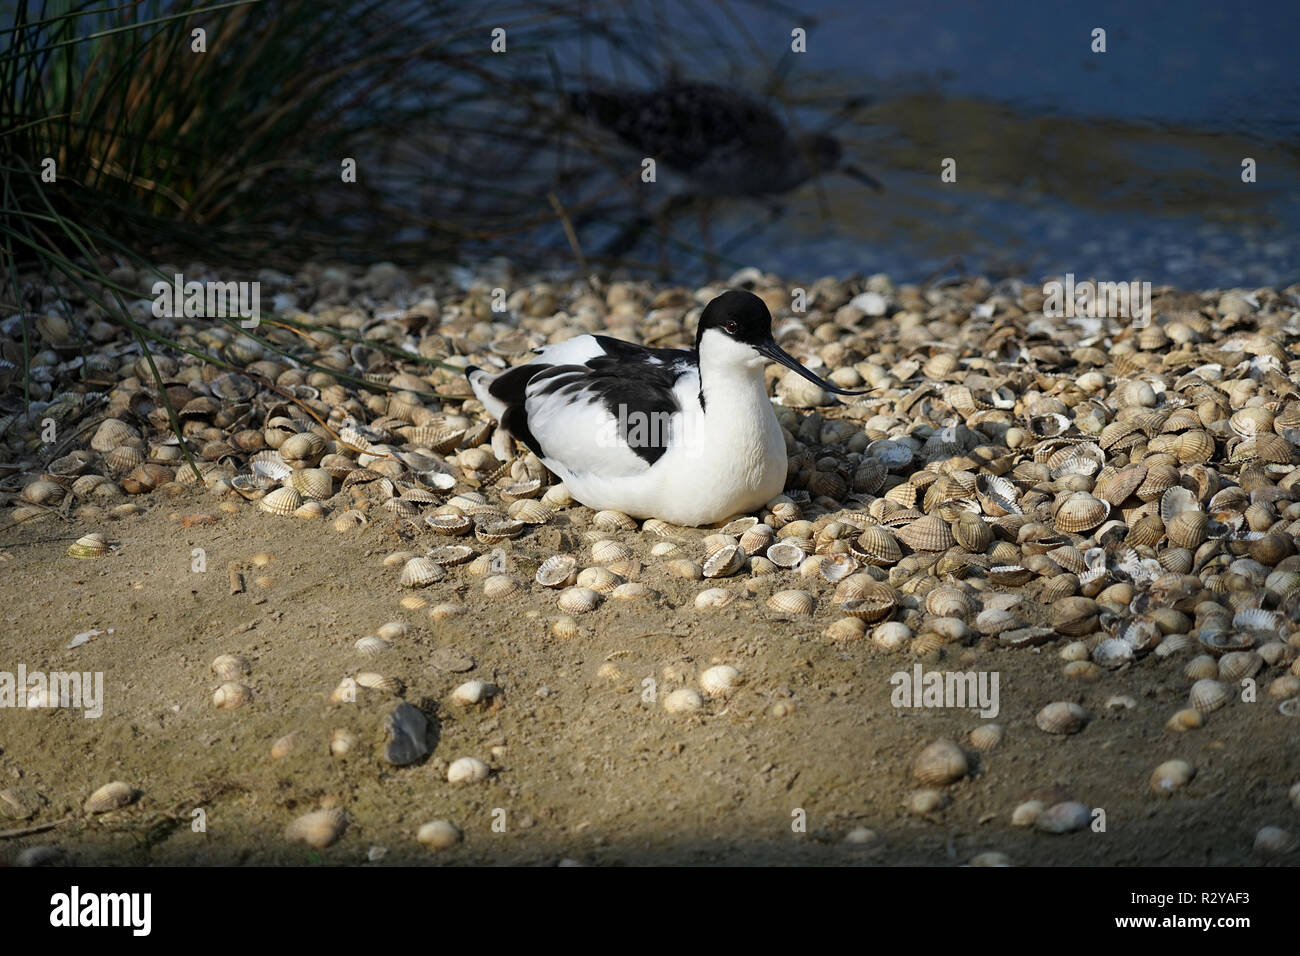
x,y
685,435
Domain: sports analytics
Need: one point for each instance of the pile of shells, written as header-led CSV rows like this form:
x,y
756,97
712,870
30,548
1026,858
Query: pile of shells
x,y
1126,490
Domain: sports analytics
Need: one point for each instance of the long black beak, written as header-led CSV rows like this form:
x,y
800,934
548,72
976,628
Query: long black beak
x,y
777,354
866,178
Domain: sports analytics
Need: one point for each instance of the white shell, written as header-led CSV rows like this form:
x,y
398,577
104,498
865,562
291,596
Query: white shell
x,y
683,701
317,829
438,835
720,680
231,695
110,796
467,770
473,692
1171,775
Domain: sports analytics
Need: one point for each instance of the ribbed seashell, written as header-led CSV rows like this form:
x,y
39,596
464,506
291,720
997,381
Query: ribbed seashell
x,y
342,742
111,433
111,796
987,737
836,567
1201,667
313,483
1075,616
598,579
450,555
846,629
993,621
876,603
230,667
557,571
1235,665
318,829
578,600
1113,653
419,572
940,764
565,628
607,551
1189,718
783,511
1177,560
757,538
972,533
231,695
123,459
1170,776
1117,487
997,495
877,546
490,532
949,602
719,680
1080,512
473,692
1208,695
348,520
786,554
713,598
1258,619
530,511
380,682
93,545
282,501
684,568
1061,717
1175,500
501,586
1082,671
43,492
304,446
1188,529
930,533
683,701
609,520
724,562
1146,531
791,602
449,524
370,646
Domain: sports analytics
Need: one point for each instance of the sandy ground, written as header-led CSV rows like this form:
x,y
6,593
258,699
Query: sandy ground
x,y
584,769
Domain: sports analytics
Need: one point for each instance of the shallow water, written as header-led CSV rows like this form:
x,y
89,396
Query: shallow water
x,y
1117,165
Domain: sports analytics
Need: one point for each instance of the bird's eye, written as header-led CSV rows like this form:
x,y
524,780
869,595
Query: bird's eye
x,y
732,328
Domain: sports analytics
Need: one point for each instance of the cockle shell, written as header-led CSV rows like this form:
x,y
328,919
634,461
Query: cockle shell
x,y
419,572
786,554
231,695
92,545
613,521
1201,667
473,692
791,602
282,501
1081,512
449,524
683,701
438,835
1063,818
371,646
714,598
602,580
1209,695
724,562
318,829
1170,776
111,796
930,533
719,680
949,602
557,571
940,764
501,586
1274,841
987,737
877,546
846,629
1061,717
381,682
578,600
230,667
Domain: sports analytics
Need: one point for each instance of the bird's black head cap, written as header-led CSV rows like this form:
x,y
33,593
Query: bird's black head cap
x,y
737,314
